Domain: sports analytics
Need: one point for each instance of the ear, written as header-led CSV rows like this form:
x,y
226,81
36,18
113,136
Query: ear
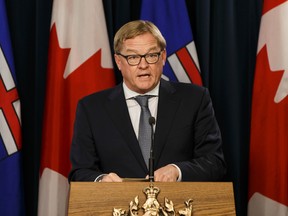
x,y
118,61
164,56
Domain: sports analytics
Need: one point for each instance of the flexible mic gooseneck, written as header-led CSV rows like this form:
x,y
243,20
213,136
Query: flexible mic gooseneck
x,y
151,159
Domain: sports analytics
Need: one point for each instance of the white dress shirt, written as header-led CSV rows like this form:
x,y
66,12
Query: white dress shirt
x,y
135,109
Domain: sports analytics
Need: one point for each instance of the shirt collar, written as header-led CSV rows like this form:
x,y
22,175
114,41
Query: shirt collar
x,y
128,93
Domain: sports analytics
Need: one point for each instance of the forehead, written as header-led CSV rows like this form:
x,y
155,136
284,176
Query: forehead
x,y
141,43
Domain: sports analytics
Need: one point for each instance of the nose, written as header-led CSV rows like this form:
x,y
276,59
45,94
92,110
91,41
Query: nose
x,y
143,63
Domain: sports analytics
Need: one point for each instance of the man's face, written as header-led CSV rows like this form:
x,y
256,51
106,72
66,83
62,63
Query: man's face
x,y
143,77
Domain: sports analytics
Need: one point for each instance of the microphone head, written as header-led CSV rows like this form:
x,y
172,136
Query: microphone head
x,y
151,120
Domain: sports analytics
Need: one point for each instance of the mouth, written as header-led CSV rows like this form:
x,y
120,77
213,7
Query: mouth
x,y
144,75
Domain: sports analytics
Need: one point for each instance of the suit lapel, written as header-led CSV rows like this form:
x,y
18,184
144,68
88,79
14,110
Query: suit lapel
x,y
117,108
167,107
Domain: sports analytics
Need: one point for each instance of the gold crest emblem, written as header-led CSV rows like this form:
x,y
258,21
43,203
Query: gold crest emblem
x,y
152,207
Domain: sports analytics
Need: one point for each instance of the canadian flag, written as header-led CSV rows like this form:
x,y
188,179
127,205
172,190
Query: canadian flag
x,y
268,175
79,64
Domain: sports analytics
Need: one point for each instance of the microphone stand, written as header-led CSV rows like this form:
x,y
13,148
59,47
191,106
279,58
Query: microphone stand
x,y
151,159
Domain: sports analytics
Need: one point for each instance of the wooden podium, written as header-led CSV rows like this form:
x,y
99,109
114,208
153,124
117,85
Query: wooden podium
x,y
209,198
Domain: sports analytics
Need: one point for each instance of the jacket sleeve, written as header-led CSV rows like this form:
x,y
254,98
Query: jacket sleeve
x,y
83,153
208,162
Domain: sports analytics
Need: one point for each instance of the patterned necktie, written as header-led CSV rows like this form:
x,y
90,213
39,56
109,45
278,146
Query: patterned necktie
x,y
145,130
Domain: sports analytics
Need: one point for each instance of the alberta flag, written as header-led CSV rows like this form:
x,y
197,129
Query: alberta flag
x,y
79,63
171,17
268,175
11,188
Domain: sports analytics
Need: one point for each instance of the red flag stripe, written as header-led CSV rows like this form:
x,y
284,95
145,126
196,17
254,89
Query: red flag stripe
x,y
189,66
8,99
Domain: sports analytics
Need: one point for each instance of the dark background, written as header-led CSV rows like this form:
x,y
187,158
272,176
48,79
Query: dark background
x,y
225,33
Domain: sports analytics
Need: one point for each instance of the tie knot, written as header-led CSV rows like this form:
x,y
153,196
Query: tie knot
x,y
142,100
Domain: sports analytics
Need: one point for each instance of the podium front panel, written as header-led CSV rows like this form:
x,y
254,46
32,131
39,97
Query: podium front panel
x,y
93,198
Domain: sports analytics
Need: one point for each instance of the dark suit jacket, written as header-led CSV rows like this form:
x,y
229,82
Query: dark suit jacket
x,y
186,134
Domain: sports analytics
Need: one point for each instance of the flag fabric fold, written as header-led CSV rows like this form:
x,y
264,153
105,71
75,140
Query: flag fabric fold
x,y
11,181
268,165
172,18
79,63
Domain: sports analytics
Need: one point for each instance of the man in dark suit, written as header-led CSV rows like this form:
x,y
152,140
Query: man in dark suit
x,y
187,140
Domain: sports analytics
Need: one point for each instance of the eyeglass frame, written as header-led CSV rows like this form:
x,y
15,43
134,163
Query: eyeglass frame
x,y
141,56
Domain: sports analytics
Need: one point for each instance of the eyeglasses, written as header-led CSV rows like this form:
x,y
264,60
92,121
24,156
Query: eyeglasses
x,y
133,60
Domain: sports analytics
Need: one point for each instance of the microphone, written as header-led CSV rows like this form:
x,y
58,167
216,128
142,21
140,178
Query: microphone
x,y
151,159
